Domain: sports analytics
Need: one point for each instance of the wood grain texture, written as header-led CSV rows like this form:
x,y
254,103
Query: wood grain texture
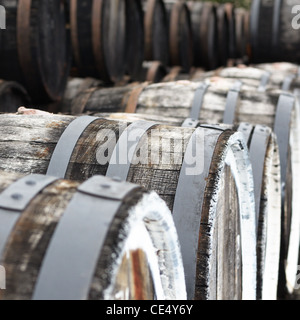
x,y
125,270
30,141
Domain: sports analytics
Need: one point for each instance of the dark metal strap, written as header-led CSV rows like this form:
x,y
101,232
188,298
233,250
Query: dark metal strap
x,y
190,123
120,162
264,81
286,86
188,202
258,150
15,199
231,103
246,129
198,100
71,258
281,128
63,151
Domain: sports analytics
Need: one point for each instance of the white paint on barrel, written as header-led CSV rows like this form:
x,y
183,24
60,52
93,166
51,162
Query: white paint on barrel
x,y
151,228
272,253
241,168
293,251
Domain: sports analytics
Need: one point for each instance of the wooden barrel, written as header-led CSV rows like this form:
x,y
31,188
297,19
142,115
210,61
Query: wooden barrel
x,y
241,34
52,249
134,38
35,48
12,96
229,10
156,31
275,31
180,34
225,101
223,35
98,31
214,188
288,75
264,155
205,34
264,77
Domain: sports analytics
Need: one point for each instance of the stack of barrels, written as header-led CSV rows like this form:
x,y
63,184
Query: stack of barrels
x,y
141,158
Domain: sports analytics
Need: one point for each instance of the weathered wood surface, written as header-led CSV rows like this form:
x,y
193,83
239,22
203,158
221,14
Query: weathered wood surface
x,y
174,99
268,197
35,48
279,76
125,269
28,142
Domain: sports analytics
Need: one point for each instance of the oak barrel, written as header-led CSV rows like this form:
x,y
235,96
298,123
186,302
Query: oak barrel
x,y
156,31
180,34
134,38
221,100
98,32
242,34
229,9
205,34
35,48
275,31
206,187
264,156
223,35
65,240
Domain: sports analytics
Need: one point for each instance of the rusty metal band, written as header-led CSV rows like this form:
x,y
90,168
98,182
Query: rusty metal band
x,y
174,30
188,204
264,81
148,20
74,32
63,151
23,39
171,76
276,23
281,128
97,16
121,160
232,102
133,99
198,100
78,108
15,199
71,258
152,71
